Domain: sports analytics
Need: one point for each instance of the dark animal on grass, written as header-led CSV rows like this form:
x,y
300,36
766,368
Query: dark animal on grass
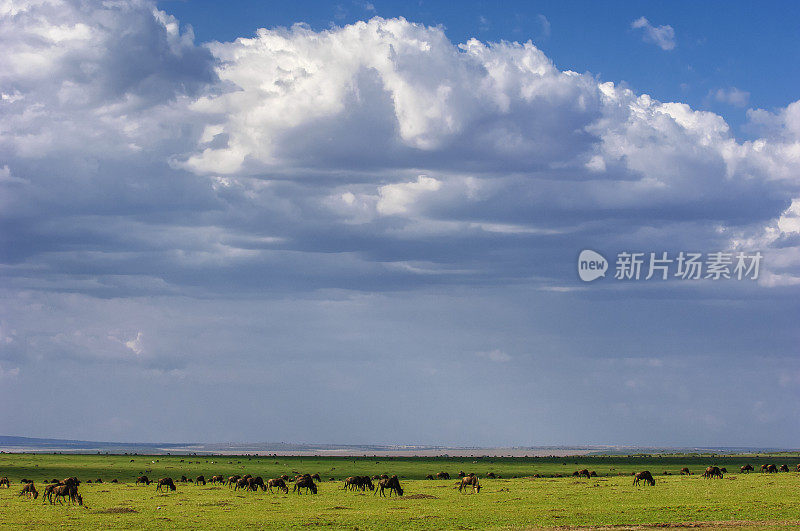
x,y
165,483
764,468
98,480
491,475
746,468
443,475
429,476
30,491
316,477
784,468
200,480
391,484
231,482
23,480
645,476
114,480
47,493
68,492
217,479
584,472
772,469
4,482
304,482
279,484
256,483
685,472
184,479
461,474
469,481
285,477
70,481
712,472
724,470
242,483
143,480
88,481
798,468
592,474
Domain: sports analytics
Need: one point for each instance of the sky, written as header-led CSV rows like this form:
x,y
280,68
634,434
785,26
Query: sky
x,y
361,223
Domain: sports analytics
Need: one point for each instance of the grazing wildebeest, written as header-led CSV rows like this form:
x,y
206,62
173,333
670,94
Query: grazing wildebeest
x,y
461,474
98,480
443,475
784,468
256,483
285,477
184,479
304,482
61,492
114,480
584,472
217,479
30,491
361,483
592,474
4,482
201,480
685,471
747,468
165,482
645,476
231,481
316,477
469,481
392,483
241,483
143,480
724,470
429,476
764,468
772,469
279,484
713,472
490,475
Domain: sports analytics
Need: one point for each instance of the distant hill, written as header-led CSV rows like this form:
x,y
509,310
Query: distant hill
x,y
41,445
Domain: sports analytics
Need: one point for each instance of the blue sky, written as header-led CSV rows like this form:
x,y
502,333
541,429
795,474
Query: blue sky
x,y
365,229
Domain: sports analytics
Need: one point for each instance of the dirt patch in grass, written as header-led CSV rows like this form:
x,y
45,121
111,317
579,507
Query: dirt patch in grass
x,y
117,510
421,497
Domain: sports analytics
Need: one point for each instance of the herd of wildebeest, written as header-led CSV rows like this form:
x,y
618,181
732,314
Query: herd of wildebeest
x,y
59,491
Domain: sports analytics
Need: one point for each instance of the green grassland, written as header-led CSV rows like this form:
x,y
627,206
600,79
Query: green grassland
x,y
742,501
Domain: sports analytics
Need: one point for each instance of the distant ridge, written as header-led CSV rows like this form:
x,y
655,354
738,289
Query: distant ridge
x,y
12,444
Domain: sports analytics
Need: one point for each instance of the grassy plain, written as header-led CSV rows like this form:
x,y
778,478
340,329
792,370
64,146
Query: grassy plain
x,y
742,501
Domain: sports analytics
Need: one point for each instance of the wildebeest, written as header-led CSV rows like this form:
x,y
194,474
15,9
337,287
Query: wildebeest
x,y
645,476
61,492
392,484
29,490
713,472
461,474
165,482
724,470
685,471
316,477
361,483
143,480
445,475
279,484
217,479
584,472
798,468
184,479
231,481
469,481
201,480
772,469
747,468
4,482
592,474
98,480
304,482
490,475
764,467
256,483
429,476
784,468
